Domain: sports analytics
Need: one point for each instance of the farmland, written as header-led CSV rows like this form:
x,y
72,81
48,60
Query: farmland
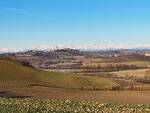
x,y
93,84
136,73
63,106
126,97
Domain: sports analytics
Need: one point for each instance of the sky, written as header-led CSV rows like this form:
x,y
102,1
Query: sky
x,y
28,23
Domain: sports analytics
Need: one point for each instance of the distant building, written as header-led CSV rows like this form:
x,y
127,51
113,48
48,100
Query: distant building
x,y
147,53
75,51
64,50
115,55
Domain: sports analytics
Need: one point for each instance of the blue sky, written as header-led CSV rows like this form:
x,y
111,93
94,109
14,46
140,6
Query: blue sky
x,y
27,23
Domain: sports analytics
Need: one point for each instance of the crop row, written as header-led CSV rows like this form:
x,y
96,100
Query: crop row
x,y
28,105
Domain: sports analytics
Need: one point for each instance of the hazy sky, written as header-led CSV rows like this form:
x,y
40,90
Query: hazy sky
x,y
27,23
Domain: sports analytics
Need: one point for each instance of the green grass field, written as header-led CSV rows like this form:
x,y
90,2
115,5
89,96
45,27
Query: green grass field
x,y
14,75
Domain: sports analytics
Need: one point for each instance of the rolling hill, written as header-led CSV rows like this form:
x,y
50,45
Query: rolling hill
x,y
14,75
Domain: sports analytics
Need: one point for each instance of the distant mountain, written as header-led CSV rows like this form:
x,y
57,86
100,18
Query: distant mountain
x,y
88,47
11,50
8,50
91,47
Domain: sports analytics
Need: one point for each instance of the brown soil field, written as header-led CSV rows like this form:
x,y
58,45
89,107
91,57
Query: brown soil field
x,y
142,97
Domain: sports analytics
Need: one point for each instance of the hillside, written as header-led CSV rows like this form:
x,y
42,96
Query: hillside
x,y
14,75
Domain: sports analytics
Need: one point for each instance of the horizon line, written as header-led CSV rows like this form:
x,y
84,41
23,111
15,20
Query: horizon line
x,y
76,46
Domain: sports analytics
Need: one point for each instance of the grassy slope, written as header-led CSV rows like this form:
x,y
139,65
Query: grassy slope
x,y
13,74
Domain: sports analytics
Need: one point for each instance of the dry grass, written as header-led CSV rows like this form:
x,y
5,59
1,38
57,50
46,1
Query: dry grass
x,y
140,73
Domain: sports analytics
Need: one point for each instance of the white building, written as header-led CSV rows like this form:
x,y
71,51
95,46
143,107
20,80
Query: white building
x,y
147,53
